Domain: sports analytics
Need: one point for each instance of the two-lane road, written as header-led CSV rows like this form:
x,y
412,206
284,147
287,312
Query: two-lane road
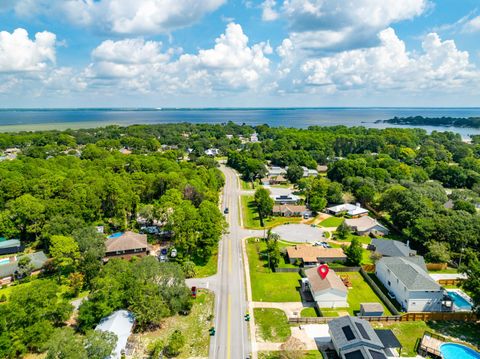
x,y
231,340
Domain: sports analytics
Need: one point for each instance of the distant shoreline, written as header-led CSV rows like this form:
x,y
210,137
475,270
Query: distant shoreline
x,y
462,122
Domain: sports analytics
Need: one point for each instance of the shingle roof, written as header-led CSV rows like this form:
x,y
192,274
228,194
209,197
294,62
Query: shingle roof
x,y
38,259
409,273
357,326
127,241
289,207
391,248
312,253
331,281
365,223
371,307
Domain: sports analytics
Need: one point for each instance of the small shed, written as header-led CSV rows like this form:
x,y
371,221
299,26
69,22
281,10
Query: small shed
x,y
371,309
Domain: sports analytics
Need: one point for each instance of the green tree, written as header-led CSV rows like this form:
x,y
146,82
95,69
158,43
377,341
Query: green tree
x,y
294,173
176,341
438,252
99,344
64,344
91,245
273,249
264,203
28,214
343,231
189,269
472,283
317,203
25,267
354,253
65,253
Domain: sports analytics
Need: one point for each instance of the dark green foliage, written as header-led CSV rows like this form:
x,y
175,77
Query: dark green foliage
x,y
354,253
294,173
175,343
264,203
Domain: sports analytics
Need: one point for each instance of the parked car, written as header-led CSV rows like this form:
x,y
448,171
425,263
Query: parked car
x,y
317,244
194,292
225,210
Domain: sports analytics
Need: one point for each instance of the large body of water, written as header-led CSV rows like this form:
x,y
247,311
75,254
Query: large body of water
x,y
39,119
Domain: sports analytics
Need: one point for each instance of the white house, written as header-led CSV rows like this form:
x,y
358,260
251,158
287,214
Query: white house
x,y
307,172
329,292
411,285
121,324
351,210
212,152
276,171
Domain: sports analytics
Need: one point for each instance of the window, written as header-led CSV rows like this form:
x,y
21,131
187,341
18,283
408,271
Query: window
x,y
362,331
347,331
389,283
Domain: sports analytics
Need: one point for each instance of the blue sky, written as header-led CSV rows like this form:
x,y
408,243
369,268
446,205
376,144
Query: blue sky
x,y
190,53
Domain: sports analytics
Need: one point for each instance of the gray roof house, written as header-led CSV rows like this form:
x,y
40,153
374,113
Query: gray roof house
x,y
354,338
10,246
121,324
391,248
38,260
410,283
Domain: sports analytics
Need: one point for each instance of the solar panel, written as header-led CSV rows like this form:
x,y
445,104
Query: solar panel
x,y
348,333
362,330
357,354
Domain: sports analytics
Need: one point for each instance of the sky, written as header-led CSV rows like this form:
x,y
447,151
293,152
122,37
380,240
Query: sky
x,y
225,53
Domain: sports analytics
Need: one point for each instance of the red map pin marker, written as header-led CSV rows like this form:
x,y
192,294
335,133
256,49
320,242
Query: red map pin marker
x,y
323,271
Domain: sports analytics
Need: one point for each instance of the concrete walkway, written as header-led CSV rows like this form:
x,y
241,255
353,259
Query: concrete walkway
x,y
291,309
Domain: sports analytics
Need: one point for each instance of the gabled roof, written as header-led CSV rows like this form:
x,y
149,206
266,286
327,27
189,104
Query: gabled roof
x,y
413,276
365,223
289,207
310,252
350,332
119,323
391,248
126,241
351,209
331,281
11,243
38,259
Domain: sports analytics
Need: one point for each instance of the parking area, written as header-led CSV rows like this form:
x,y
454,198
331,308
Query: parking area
x,y
299,233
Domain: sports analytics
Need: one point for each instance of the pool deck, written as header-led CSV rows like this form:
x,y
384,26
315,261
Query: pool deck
x,y
431,345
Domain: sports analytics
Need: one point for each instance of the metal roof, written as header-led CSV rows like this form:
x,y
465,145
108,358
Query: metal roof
x,y
119,323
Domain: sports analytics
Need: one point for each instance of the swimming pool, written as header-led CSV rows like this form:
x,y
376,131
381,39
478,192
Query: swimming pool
x,y
115,235
457,351
460,302
4,261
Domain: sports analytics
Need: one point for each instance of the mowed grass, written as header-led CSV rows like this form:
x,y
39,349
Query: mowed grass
x,y
268,286
408,332
207,269
193,326
308,312
332,222
272,325
310,354
251,220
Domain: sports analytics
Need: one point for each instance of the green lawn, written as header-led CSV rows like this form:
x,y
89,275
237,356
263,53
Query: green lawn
x,y
193,326
308,312
325,312
245,185
272,324
360,292
408,332
252,221
266,285
447,270
207,269
311,354
332,222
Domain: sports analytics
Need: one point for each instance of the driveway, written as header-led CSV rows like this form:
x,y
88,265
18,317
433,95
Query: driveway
x,y
299,233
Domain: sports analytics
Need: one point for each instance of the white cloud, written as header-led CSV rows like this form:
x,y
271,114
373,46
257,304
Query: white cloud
x,y
122,16
268,10
18,53
473,25
390,66
136,64
337,25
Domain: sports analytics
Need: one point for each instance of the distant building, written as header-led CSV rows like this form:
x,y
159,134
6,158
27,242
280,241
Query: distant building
x,y
289,210
286,199
126,245
254,138
365,226
10,246
328,292
212,152
354,338
125,151
312,255
411,284
121,324
276,171
309,172
350,210
273,180
8,271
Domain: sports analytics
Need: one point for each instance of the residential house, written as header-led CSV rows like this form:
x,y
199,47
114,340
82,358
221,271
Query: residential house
x,y
350,210
328,292
322,168
254,138
354,338
126,245
365,226
391,248
212,152
276,171
289,210
312,255
121,324
273,180
411,284
9,270
125,151
309,172
10,246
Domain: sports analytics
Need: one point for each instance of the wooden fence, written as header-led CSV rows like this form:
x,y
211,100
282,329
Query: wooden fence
x,y
379,292
436,266
454,281
408,317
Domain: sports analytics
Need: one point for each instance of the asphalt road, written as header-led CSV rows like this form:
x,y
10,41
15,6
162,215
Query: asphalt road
x,y
231,340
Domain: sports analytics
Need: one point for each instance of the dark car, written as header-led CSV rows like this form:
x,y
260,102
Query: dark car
x,y
225,210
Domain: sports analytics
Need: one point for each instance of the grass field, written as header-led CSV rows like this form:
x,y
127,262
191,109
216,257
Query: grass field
x,y
272,325
311,354
193,326
408,332
332,222
251,219
308,312
266,285
207,269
